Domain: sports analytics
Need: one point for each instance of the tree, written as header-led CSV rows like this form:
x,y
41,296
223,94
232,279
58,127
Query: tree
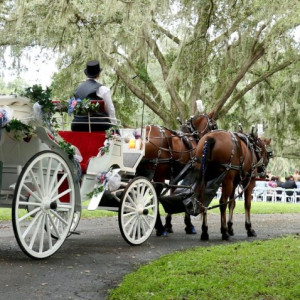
x,y
170,53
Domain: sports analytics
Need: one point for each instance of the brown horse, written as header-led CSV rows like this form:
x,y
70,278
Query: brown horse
x,y
167,152
229,159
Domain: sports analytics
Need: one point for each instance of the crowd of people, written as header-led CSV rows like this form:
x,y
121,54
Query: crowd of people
x,y
289,184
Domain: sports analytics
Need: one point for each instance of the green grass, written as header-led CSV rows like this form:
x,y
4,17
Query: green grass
x,y
257,208
263,208
256,270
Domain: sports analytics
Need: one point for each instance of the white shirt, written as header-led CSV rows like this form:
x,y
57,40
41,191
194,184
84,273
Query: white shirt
x,y
104,93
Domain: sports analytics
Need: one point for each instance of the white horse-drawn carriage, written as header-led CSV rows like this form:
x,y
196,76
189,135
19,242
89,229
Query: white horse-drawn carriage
x,y
45,185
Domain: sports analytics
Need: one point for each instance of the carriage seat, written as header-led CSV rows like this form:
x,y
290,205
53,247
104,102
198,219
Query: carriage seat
x,y
21,106
88,144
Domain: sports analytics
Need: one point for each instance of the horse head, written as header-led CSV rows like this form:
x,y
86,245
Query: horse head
x,y
265,153
201,124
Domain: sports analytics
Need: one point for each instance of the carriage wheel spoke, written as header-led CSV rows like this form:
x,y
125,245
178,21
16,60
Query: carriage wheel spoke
x,y
54,226
47,180
59,217
41,177
143,225
25,203
130,208
130,220
48,232
32,193
63,207
58,185
54,177
131,201
42,235
61,194
146,221
37,228
31,224
35,183
133,229
29,214
138,227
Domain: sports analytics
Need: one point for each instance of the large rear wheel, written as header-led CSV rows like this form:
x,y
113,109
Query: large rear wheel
x,y
138,211
43,204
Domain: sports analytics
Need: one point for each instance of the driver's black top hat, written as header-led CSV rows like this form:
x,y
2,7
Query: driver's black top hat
x,y
92,69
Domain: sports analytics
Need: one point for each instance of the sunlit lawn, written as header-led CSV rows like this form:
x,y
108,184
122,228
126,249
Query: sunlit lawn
x,y
257,208
255,270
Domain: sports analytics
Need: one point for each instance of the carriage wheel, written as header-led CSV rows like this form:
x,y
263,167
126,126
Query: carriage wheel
x,y
138,211
43,205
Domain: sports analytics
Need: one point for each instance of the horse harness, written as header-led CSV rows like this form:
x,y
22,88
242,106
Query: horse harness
x,y
210,125
255,151
186,139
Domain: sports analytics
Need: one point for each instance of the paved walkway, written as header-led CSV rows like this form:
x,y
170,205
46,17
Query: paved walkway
x,y
89,264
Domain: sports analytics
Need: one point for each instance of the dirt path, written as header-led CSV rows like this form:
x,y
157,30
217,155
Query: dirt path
x,y
89,264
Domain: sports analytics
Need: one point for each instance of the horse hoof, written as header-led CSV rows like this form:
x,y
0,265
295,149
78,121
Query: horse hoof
x,y
225,237
251,233
162,233
168,229
230,232
204,237
190,230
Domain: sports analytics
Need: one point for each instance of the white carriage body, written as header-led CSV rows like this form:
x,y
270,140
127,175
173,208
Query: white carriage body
x,y
44,186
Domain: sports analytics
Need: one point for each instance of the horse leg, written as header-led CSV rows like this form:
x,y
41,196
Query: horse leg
x,y
231,207
189,227
250,232
160,229
204,234
227,190
168,225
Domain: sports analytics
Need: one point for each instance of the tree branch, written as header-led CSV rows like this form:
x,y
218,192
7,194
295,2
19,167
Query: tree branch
x,y
165,72
259,52
241,93
166,33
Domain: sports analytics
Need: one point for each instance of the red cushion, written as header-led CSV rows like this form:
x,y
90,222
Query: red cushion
x,y
88,144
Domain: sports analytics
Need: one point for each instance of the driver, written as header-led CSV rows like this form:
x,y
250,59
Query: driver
x,y
93,90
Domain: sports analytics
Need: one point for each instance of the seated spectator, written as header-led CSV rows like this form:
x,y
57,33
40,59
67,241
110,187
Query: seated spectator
x,y
297,180
272,183
289,184
260,186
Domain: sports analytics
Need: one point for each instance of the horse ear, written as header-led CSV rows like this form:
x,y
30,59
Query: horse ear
x,y
211,114
267,141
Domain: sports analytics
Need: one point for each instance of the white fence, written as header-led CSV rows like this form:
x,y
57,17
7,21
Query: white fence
x,y
268,194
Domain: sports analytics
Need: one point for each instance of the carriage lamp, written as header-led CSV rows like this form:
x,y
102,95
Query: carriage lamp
x,y
132,144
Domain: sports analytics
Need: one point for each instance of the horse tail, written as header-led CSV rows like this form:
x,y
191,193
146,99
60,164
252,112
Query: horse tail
x,y
206,157
207,154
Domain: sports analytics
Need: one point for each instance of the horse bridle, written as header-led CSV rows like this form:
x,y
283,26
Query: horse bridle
x,y
210,125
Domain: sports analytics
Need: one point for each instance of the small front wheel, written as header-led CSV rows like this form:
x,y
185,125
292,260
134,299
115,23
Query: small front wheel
x,y
138,211
43,204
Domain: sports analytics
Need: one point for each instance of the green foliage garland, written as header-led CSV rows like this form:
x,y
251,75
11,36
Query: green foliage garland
x,y
20,130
